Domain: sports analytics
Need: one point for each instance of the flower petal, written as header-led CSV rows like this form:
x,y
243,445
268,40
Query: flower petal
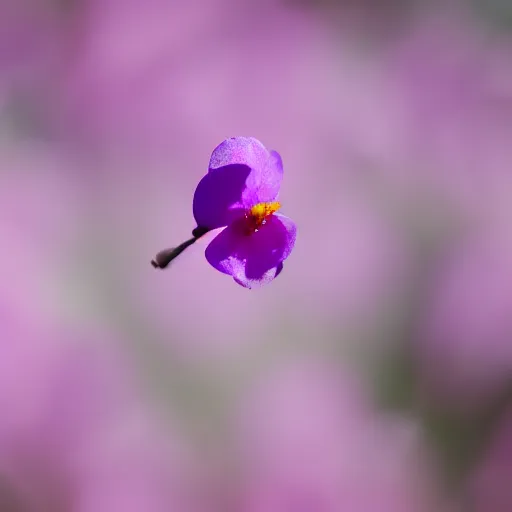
x,y
218,196
263,185
239,150
266,166
255,259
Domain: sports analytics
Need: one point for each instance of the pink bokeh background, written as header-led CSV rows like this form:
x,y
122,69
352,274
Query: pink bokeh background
x,y
373,374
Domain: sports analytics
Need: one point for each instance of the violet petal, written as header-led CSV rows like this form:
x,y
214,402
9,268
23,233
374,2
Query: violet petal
x,y
263,184
255,259
218,196
266,166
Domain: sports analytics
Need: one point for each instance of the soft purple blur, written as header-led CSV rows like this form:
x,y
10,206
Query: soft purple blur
x,y
374,374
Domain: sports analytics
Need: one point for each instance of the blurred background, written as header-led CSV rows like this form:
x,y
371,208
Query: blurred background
x,y
374,374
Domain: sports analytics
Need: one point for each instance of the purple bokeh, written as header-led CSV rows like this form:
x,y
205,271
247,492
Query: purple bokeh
x,y
123,388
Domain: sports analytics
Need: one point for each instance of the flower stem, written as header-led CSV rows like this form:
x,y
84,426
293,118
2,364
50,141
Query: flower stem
x,y
164,257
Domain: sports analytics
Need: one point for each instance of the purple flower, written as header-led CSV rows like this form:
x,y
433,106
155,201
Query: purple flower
x,y
240,193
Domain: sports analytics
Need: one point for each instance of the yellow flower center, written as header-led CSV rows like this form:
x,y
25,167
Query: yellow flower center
x,y
259,213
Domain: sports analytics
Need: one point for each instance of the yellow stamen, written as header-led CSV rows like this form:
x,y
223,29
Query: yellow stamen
x,y
259,212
